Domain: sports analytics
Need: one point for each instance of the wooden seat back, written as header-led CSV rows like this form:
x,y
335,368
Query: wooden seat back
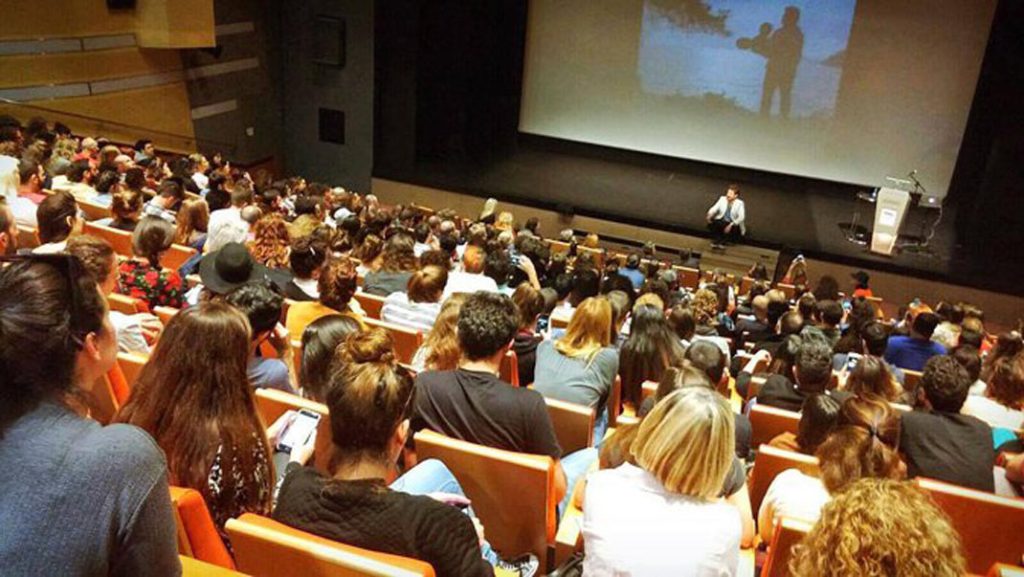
x,y
911,379
94,211
131,365
195,568
197,534
574,424
513,494
769,463
372,304
272,403
28,237
990,526
121,242
265,548
788,533
768,422
407,340
509,370
688,277
126,305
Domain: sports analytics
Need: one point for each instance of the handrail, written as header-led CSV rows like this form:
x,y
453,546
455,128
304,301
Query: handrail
x,y
130,127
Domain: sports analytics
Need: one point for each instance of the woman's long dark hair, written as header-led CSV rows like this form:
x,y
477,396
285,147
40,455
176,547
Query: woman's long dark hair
x,y
193,396
651,347
48,304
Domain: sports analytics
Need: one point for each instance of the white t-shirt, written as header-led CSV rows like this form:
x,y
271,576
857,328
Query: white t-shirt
x,y
464,282
633,526
794,495
993,413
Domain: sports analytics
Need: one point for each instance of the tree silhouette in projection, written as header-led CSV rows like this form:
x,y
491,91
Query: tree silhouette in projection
x,y
695,15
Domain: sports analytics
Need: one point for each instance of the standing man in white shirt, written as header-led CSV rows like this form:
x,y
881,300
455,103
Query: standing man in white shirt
x,y
727,218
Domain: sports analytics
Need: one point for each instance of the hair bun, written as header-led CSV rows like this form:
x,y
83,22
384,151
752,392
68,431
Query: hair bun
x,y
371,346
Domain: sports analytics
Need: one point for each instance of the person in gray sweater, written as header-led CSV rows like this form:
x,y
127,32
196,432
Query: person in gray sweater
x,y
78,498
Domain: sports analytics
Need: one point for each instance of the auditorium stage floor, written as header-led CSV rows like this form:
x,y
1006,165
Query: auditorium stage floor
x,y
788,214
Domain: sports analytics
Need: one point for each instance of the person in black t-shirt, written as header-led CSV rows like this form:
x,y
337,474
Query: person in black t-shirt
x,y
940,443
370,400
472,404
813,372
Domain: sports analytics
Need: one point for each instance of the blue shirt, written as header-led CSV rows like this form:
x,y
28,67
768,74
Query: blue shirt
x,y
269,374
634,275
910,353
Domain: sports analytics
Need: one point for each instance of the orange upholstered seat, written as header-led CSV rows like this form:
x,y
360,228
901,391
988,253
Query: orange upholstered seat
x,y
768,464
372,304
407,340
265,548
767,422
574,424
509,370
788,533
272,403
197,535
513,494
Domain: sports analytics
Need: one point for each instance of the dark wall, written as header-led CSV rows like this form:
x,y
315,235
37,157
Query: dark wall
x,y
252,131
307,87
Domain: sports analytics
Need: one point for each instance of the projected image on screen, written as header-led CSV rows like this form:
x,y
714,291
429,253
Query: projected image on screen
x,y
771,58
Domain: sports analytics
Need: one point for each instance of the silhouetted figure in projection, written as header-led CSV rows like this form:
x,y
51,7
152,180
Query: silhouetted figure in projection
x,y
784,52
758,44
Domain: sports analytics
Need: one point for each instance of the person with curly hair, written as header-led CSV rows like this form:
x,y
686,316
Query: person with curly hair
x,y
880,528
938,441
271,242
1002,403
337,285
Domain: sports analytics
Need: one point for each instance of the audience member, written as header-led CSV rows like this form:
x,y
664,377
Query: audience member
x,y
370,403
940,443
167,200
417,307
871,379
913,351
755,329
79,498
306,258
635,516
863,445
320,340
899,531
471,278
398,263
529,303
812,373
262,304
1003,400
819,416
337,285
59,218
707,357
126,210
830,316
440,349
193,223
580,366
227,225
145,279
270,245
193,397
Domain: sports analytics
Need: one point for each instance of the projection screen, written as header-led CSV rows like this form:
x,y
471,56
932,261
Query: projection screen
x,y
842,90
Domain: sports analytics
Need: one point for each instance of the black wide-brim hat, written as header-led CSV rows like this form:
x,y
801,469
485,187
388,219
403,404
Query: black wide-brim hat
x,y
229,268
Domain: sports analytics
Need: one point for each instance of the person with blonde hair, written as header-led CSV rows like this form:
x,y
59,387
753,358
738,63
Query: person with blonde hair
x,y
505,221
664,515
581,366
880,528
440,349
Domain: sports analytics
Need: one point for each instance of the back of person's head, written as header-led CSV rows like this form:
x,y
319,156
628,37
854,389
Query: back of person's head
x,y
498,267
814,362
426,285
1005,379
863,445
399,255
791,323
442,342
950,312
633,260
369,397
260,303
151,238
320,339
680,376
876,338
899,531
707,357
651,347
970,359
78,170
218,198
925,323
945,384
307,255
819,416
193,397
687,442
487,324
50,312
126,204
872,379
682,321
97,258
172,190
337,283
135,178
242,196
586,283
827,289
589,330
807,305
529,304
107,182
57,217
830,312
705,306
473,260
759,304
